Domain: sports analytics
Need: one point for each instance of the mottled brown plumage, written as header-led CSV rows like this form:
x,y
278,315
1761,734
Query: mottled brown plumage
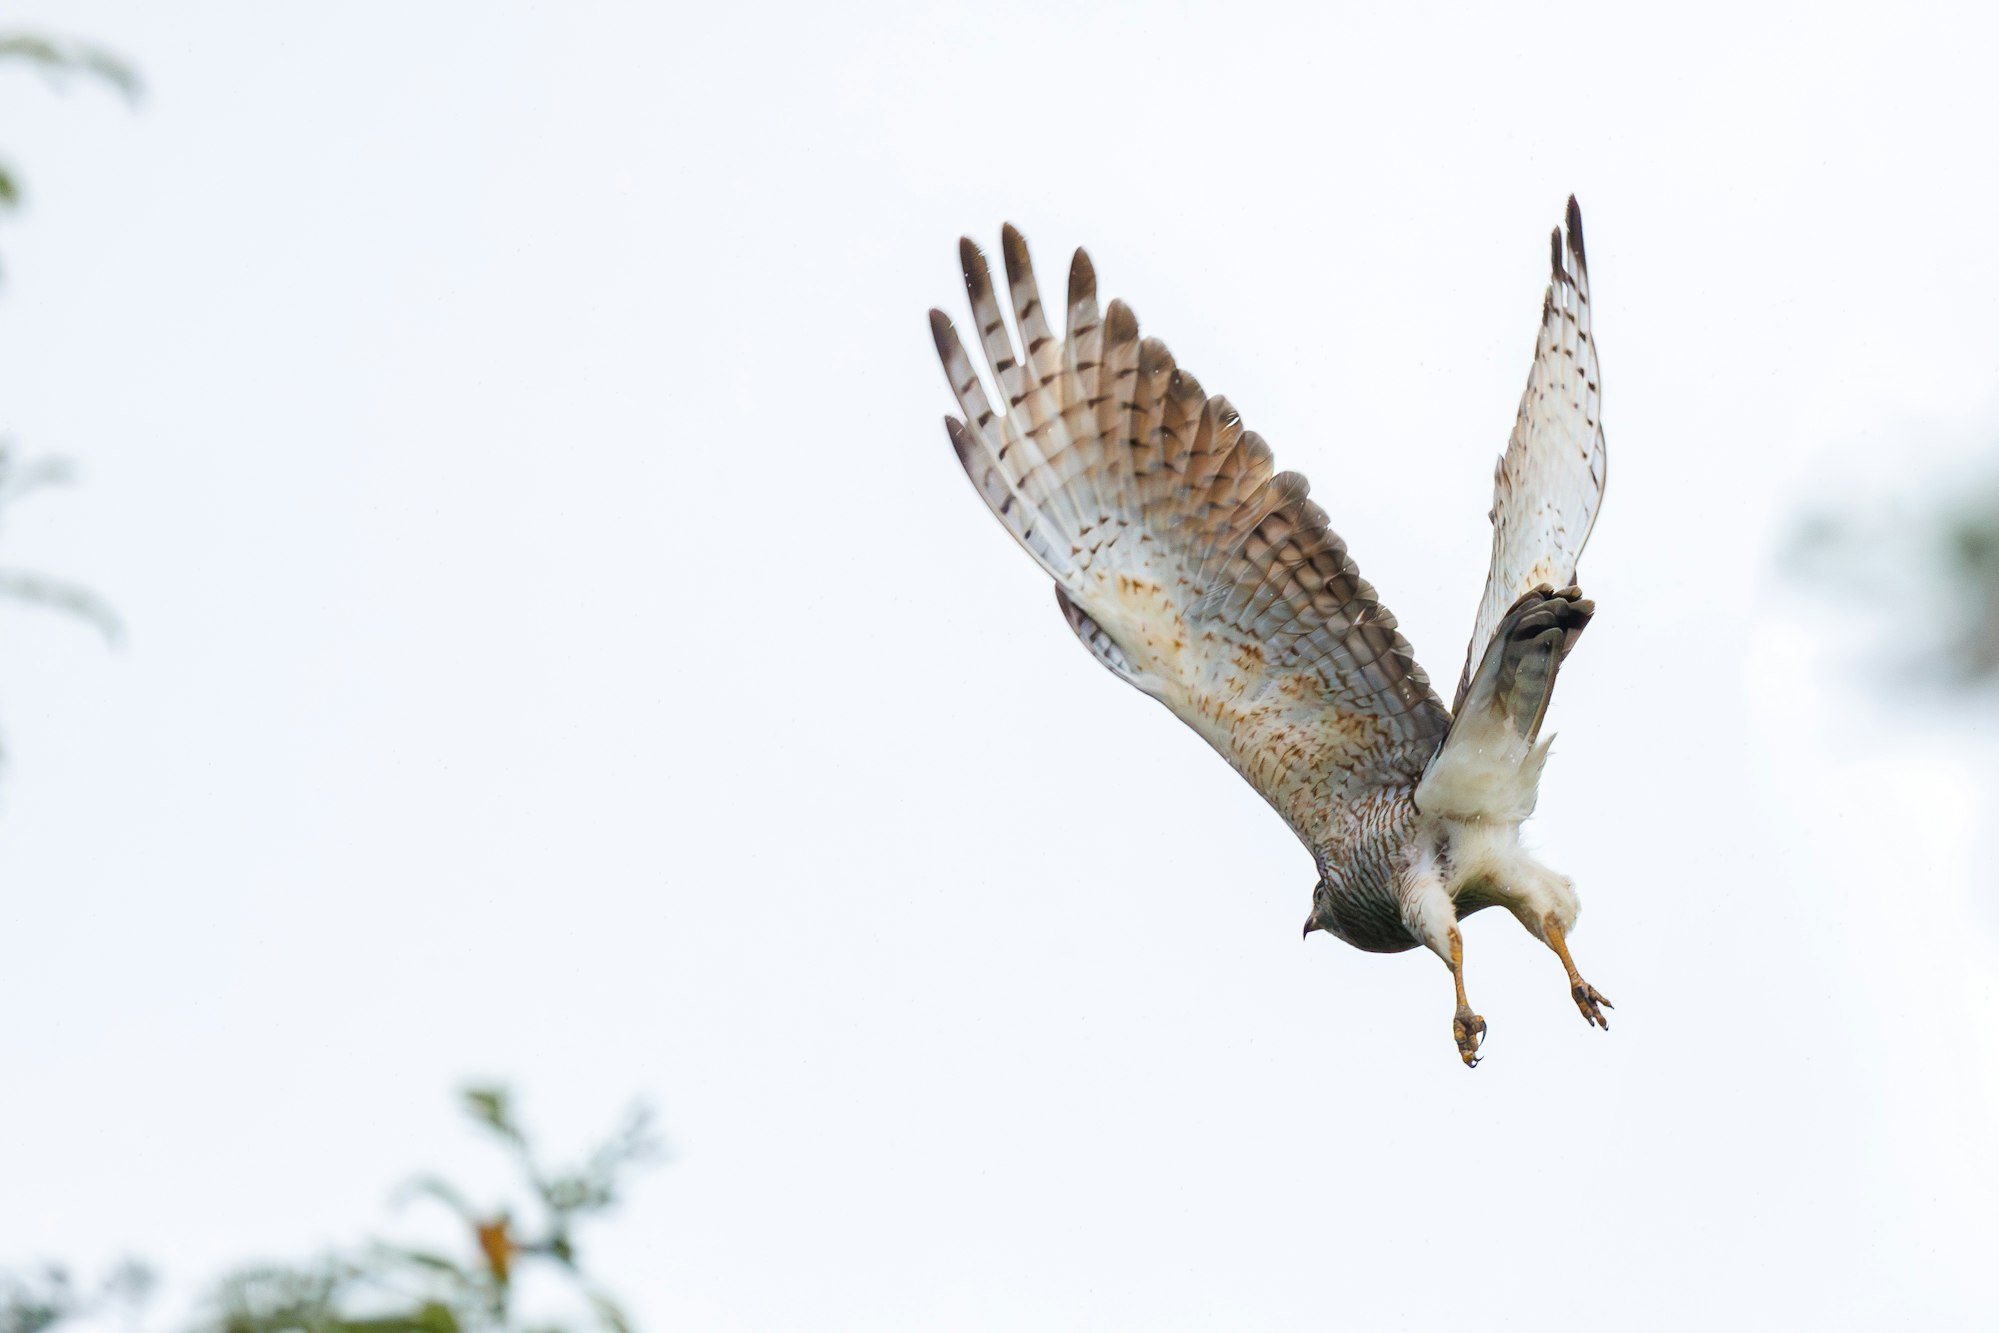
x,y
1193,570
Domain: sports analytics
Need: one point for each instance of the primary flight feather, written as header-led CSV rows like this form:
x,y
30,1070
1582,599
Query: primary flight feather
x,y
1194,571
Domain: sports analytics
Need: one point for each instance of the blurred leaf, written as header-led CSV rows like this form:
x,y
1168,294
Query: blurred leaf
x,y
595,1186
493,1107
496,1243
430,1317
58,57
610,1313
17,478
60,596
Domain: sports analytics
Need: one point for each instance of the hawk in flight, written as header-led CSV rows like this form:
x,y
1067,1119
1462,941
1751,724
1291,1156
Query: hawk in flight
x,y
1196,572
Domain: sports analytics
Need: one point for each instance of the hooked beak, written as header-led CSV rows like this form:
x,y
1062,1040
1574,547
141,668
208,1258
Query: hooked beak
x,y
1311,924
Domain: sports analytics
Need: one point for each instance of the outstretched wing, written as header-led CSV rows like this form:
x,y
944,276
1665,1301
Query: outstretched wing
x,y
1182,562
1549,483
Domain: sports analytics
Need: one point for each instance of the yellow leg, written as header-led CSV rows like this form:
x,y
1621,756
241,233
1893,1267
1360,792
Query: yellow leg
x,y
1587,997
1467,1027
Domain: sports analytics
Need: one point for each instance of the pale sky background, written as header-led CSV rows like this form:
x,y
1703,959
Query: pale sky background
x,y
564,648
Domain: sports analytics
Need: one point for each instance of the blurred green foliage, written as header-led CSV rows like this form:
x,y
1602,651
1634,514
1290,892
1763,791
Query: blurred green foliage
x,y
32,1302
1923,573
60,60
387,1287
17,478
1971,543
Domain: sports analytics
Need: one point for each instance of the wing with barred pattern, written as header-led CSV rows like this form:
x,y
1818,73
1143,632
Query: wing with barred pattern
x,y
1548,485
1185,564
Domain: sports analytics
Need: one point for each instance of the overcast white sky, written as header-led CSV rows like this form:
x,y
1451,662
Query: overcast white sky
x,y
564,648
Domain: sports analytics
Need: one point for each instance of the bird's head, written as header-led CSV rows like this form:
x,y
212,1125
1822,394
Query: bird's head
x,y
1361,923
1322,917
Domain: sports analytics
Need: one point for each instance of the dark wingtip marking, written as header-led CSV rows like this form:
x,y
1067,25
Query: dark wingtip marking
x,y
1575,221
1120,324
941,330
1555,252
1082,277
961,439
978,279
1013,246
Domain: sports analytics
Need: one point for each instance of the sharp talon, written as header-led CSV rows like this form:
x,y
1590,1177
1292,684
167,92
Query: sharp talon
x,y
1468,1030
1591,1003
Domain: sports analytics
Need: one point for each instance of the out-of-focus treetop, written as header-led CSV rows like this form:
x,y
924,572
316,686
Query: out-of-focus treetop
x,y
392,1287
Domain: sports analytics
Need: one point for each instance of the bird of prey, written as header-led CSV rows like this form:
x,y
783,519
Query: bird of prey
x,y
1195,572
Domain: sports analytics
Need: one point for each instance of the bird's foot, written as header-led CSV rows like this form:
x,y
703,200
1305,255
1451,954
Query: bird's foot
x,y
1592,1003
1469,1030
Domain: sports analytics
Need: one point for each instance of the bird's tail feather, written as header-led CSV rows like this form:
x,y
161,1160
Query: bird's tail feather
x,y
1489,766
